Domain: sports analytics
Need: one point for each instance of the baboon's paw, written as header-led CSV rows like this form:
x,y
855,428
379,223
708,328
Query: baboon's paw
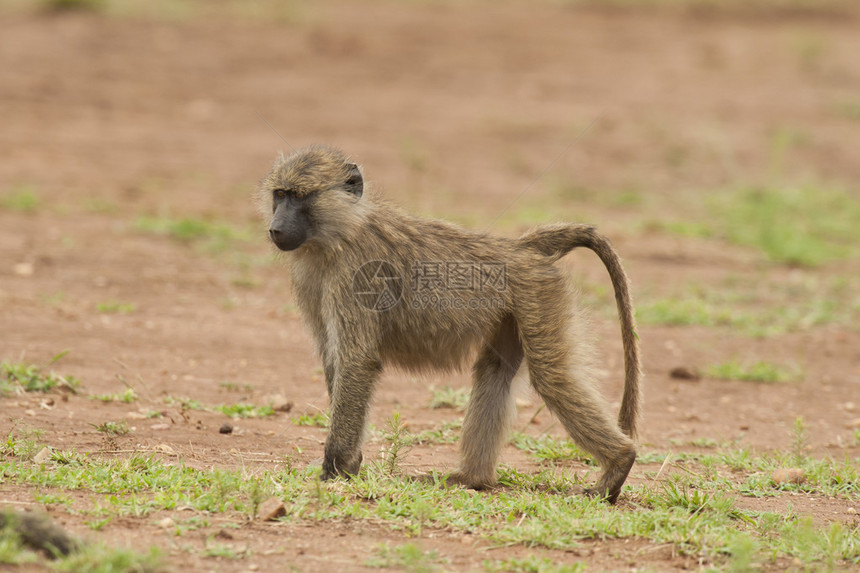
x,y
605,495
468,481
332,469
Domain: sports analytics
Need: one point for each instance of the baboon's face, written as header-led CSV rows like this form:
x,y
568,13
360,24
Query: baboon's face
x,y
300,185
291,222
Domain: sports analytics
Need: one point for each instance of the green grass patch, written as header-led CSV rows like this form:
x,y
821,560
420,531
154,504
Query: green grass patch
x,y
695,508
98,205
222,550
567,192
212,236
231,386
113,428
448,397
22,443
246,282
758,306
184,403
682,228
704,443
406,557
53,499
447,433
547,448
802,226
758,371
186,229
99,558
684,312
114,307
17,378
128,396
243,410
317,419
849,109
22,199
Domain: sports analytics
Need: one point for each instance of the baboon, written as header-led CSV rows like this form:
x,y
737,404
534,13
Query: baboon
x,y
378,286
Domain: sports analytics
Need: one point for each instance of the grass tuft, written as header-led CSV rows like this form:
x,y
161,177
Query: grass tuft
x,y
127,397
758,308
22,199
447,433
114,307
19,378
694,512
804,226
798,226
214,237
245,410
397,437
759,371
448,397
318,419
113,428
849,109
548,448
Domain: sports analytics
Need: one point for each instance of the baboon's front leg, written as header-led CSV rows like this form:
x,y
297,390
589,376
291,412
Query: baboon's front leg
x,y
350,400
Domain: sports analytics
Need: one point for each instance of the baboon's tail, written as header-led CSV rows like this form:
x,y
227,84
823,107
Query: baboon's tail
x,y
557,240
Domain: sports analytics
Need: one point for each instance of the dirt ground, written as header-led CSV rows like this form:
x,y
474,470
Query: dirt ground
x,y
470,112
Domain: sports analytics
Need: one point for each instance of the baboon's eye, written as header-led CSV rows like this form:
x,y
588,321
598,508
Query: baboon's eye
x,y
280,193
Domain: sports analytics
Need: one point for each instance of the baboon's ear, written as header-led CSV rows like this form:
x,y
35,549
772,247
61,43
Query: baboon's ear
x,y
354,181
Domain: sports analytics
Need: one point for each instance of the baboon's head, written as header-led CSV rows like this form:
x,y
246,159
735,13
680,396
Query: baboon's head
x,y
312,194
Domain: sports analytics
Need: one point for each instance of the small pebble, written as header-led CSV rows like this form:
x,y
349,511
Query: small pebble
x,y
271,509
43,455
684,373
166,522
788,475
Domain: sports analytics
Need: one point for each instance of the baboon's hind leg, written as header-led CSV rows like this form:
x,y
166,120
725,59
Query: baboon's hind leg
x,y
568,391
490,407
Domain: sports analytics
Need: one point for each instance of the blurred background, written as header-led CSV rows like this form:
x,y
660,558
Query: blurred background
x,y
716,142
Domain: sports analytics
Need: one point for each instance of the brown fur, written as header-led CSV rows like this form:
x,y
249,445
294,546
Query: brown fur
x,y
531,317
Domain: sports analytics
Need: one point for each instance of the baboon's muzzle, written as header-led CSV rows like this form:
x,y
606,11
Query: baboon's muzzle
x,y
285,240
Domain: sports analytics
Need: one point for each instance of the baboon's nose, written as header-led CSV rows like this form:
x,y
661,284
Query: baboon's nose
x,y
288,238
